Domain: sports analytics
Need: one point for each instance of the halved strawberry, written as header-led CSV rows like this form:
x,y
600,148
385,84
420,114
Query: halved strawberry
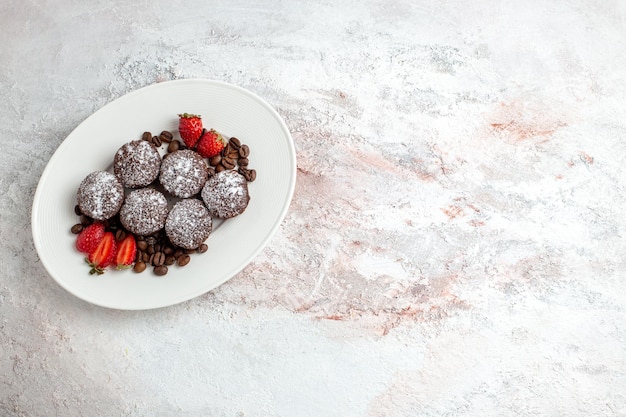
x,y
89,238
210,144
126,252
103,255
190,128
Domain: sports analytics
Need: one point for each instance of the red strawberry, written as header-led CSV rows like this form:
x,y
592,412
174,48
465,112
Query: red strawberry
x,y
126,252
210,144
190,128
103,255
89,238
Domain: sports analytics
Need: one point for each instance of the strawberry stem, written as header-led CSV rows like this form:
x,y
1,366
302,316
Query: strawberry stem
x,y
189,116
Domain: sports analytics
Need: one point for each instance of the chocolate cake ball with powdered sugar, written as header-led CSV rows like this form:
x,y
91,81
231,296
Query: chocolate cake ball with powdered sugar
x,y
144,211
100,195
183,173
226,194
137,163
188,224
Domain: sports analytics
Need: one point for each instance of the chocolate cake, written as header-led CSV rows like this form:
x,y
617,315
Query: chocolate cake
x,y
137,163
100,195
188,224
144,211
226,194
183,173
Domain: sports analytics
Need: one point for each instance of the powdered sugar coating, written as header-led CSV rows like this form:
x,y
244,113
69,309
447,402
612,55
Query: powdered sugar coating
x,y
226,194
100,195
183,173
144,211
137,163
188,224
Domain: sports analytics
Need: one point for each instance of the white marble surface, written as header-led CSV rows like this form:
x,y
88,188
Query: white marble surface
x,y
455,245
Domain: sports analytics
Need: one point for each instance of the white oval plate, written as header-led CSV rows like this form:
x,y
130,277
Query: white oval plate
x,y
231,110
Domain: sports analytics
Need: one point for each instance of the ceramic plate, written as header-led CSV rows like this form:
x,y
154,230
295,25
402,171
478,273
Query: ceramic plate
x,y
233,244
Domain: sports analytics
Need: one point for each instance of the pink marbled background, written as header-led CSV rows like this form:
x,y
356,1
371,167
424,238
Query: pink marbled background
x,y
455,244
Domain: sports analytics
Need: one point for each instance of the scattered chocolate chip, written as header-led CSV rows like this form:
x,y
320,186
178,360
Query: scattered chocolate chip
x,y
248,174
173,146
228,163
85,220
159,259
233,153
214,161
120,235
234,143
166,136
160,270
139,267
184,259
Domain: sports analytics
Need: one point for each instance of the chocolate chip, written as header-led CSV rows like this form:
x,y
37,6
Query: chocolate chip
x,y
233,153
173,146
184,259
166,136
160,270
248,174
120,235
234,143
139,267
159,259
228,163
214,161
